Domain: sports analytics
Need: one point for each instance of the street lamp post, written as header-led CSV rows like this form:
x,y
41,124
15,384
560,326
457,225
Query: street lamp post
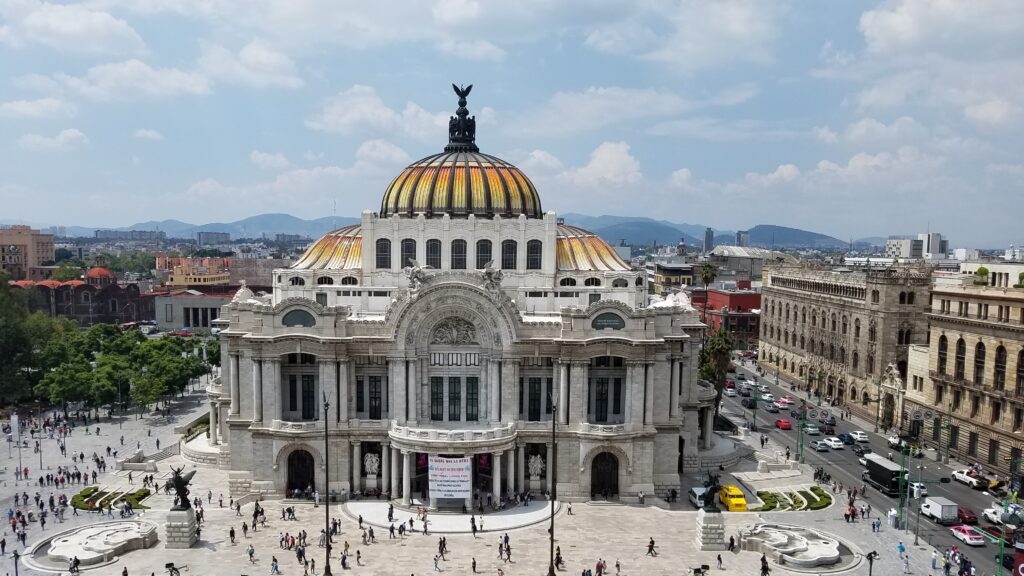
x,y
553,469
917,529
327,490
878,402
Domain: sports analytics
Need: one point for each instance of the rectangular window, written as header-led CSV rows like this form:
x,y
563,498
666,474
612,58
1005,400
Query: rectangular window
x,y
168,312
454,399
993,451
308,397
483,253
617,397
972,444
188,317
408,252
436,398
375,396
956,400
975,406
534,415
954,437
936,429
321,298
472,398
360,396
1018,419
1014,460
522,394
293,393
601,400
508,254
547,403
434,253
997,412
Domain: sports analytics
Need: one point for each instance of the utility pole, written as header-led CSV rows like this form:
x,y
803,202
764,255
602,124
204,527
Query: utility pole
x,y
900,487
327,488
949,430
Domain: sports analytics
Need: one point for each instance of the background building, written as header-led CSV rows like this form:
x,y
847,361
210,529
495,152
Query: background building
x,y
666,277
709,240
25,254
139,235
904,248
736,310
934,245
736,263
190,309
98,299
212,238
743,238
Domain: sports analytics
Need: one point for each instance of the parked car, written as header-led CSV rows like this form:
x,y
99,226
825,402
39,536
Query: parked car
x,y
997,533
918,489
967,535
846,438
771,407
827,429
730,384
783,424
741,376
965,516
970,478
745,392
768,397
833,443
820,446
730,392
732,498
860,436
861,450
749,403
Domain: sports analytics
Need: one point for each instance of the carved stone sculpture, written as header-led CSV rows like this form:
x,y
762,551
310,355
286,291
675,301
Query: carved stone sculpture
x,y
454,331
180,483
536,465
491,277
371,463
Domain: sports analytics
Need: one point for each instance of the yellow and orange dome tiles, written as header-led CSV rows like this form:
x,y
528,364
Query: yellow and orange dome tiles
x,y
461,183
576,249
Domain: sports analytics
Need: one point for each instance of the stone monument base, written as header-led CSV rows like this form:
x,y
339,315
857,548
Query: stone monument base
x,y
535,483
180,529
710,530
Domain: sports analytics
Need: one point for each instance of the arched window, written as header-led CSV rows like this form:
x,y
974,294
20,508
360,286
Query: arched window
x,y
298,318
1020,372
349,281
871,364
803,343
620,283
903,297
508,254
434,253
874,296
943,349
86,297
872,333
834,327
534,254
960,360
856,328
979,363
640,280
853,393
856,360
864,399
846,324
483,253
383,255
296,281
324,280
458,254
842,354
910,297
803,315
787,312
899,337
592,282
567,282
906,337
408,252
1000,373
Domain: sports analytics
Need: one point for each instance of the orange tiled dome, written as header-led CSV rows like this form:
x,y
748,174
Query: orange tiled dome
x,y
100,272
51,284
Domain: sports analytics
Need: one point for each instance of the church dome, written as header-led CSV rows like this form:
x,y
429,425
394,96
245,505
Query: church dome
x,y
461,181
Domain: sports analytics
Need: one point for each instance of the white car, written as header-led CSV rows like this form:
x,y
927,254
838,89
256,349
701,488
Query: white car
x,y
729,392
833,443
967,477
863,461
859,436
764,388
820,446
919,488
768,397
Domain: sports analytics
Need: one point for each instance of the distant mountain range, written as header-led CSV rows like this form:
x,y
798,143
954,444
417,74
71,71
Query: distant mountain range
x,y
614,229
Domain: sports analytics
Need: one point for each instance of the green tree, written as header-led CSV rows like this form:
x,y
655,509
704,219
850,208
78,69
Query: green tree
x,y
15,347
112,376
64,272
714,361
62,254
213,352
68,382
147,388
708,273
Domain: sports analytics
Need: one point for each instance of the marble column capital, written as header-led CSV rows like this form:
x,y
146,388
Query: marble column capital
x,y
357,443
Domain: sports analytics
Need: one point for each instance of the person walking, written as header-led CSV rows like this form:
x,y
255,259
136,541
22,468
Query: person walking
x,y
231,534
650,548
252,554
906,564
901,549
720,562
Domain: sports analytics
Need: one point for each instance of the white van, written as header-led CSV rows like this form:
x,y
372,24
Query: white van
x,y
696,496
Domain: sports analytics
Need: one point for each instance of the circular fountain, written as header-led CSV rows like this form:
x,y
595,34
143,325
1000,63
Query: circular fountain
x,y
798,547
94,545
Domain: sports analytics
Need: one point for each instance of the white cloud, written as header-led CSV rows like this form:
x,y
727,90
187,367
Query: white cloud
x,y
902,26
783,173
256,64
610,164
871,130
147,134
541,162
69,139
994,112
381,152
360,110
718,130
681,178
71,28
455,12
268,161
825,134
123,80
40,108
474,50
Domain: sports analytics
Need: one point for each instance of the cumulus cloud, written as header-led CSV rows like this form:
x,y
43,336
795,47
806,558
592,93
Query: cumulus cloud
x,y
541,162
72,28
381,152
360,110
872,130
611,163
69,139
474,50
257,64
123,80
825,134
268,161
40,108
680,178
147,134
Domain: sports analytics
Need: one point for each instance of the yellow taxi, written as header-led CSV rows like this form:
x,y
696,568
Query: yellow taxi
x,y
732,498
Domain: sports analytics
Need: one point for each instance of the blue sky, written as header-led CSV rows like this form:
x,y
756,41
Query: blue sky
x,y
849,118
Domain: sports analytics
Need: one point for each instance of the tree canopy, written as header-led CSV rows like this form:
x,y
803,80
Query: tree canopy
x,y
714,361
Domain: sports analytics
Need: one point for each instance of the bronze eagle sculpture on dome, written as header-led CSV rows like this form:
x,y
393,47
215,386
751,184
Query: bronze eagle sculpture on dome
x,y
462,93
462,127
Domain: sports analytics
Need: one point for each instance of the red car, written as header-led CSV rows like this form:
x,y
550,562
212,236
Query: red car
x,y
783,424
965,516
996,532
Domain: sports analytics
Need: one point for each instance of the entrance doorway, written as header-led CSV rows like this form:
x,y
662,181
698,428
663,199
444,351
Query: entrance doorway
x,y
604,476
300,470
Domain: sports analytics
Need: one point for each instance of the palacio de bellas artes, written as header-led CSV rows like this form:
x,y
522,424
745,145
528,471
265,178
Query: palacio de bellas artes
x,y
446,331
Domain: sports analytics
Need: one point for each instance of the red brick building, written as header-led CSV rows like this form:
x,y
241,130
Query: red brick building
x,y
737,310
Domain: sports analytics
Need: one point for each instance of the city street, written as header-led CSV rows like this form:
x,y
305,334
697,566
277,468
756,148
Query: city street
x,y
844,467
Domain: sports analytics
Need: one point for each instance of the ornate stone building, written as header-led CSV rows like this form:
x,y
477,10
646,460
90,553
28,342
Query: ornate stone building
x,y
835,332
967,386
460,320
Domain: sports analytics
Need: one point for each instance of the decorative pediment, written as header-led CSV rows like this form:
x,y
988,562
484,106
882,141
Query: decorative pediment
x,y
454,330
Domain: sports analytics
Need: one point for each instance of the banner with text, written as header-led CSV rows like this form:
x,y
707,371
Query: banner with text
x,y
451,477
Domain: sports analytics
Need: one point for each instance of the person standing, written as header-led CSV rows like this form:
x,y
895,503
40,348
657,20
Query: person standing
x,y
252,554
906,564
720,562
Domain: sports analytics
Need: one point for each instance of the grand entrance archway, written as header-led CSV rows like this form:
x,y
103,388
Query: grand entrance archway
x,y
301,472
604,476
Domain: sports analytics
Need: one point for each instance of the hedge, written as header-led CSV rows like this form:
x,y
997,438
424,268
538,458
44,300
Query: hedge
x,y
824,498
81,500
770,501
135,498
92,493
798,504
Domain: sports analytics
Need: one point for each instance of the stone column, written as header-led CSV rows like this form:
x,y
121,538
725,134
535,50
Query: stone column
x,y
257,390
563,392
673,402
521,467
550,461
406,477
351,390
493,391
345,463
468,500
398,404
272,386
709,419
636,394
385,471
510,475
413,387
495,476
578,397
649,394
357,466
213,423
326,385
485,391
395,465
342,389
236,393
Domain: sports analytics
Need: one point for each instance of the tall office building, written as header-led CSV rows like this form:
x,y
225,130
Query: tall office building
x,y
709,240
